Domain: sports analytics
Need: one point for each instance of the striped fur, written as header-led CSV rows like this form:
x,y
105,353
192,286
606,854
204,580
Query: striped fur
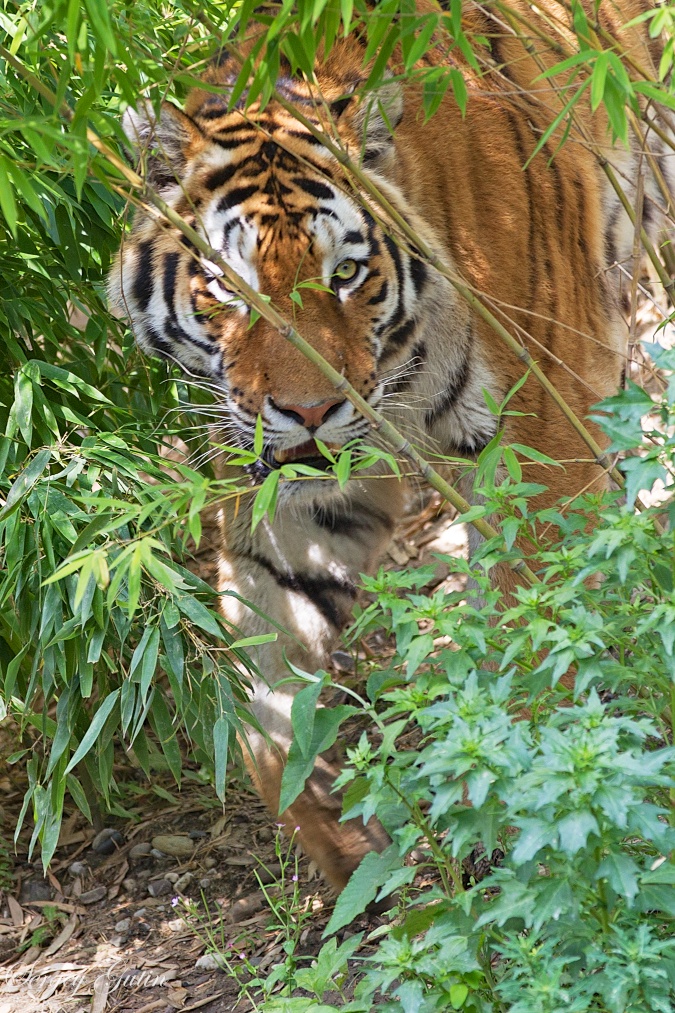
x,y
540,239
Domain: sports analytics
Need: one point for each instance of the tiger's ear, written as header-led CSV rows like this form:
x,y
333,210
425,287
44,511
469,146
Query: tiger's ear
x,y
375,121
163,142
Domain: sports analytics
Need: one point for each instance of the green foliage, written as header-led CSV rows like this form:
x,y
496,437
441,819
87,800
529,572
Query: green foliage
x,y
109,643
574,794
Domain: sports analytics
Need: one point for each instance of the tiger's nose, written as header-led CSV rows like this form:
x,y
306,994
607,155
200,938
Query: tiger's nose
x,y
310,416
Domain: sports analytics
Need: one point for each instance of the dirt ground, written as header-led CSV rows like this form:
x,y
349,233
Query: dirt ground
x,y
109,932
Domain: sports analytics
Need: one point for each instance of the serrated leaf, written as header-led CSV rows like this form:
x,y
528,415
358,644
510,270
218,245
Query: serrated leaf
x,y
363,886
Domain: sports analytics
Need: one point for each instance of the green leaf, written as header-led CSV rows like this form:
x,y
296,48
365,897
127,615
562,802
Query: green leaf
x,y
221,735
303,710
362,888
300,765
458,994
7,201
265,500
94,729
25,482
622,874
199,614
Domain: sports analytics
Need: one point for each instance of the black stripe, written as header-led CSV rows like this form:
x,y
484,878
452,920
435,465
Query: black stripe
x,y
448,398
315,589
353,237
142,286
174,330
314,187
214,112
418,274
399,337
472,449
381,295
367,518
221,176
159,344
169,273
227,145
236,196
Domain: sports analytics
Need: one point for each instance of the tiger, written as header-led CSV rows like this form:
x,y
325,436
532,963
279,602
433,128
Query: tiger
x,y
535,228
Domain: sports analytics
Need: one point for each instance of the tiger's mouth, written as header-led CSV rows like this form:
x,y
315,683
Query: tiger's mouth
x,y
306,453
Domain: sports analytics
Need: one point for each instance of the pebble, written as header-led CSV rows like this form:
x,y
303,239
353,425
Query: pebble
x,y
173,877
204,883
129,884
175,925
270,874
78,868
197,835
35,889
159,887
176,845
107,841
156,853
210,862
140,850
183,882
246,906
123,926
140,913
211,962
91,896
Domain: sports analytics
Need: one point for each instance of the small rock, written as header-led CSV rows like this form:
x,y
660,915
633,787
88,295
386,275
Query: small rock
x,y
35,889
183,882
246,906
266,834
144,874
210,862
123,926
139,914
129,884
197,835
118,941
204,883
173,877
78,868
176,925
268,875
159,887
156,853
107,841
211,962
91,896
176,845
140,850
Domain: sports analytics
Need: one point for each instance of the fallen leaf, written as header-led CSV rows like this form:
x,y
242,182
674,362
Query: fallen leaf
x,y
63,936
15,910
176,997
100,996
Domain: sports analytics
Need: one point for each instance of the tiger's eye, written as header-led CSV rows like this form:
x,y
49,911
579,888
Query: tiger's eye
x,y
346,270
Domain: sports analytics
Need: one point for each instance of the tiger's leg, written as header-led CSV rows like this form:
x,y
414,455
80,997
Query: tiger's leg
x,y
302,571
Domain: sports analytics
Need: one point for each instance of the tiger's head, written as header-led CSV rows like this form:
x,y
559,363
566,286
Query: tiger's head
x,y
278,208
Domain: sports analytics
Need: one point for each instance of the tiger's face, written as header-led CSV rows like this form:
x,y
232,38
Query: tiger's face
x,y
276,207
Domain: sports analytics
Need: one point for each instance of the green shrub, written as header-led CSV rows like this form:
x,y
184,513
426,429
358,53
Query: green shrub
x,y
571,793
